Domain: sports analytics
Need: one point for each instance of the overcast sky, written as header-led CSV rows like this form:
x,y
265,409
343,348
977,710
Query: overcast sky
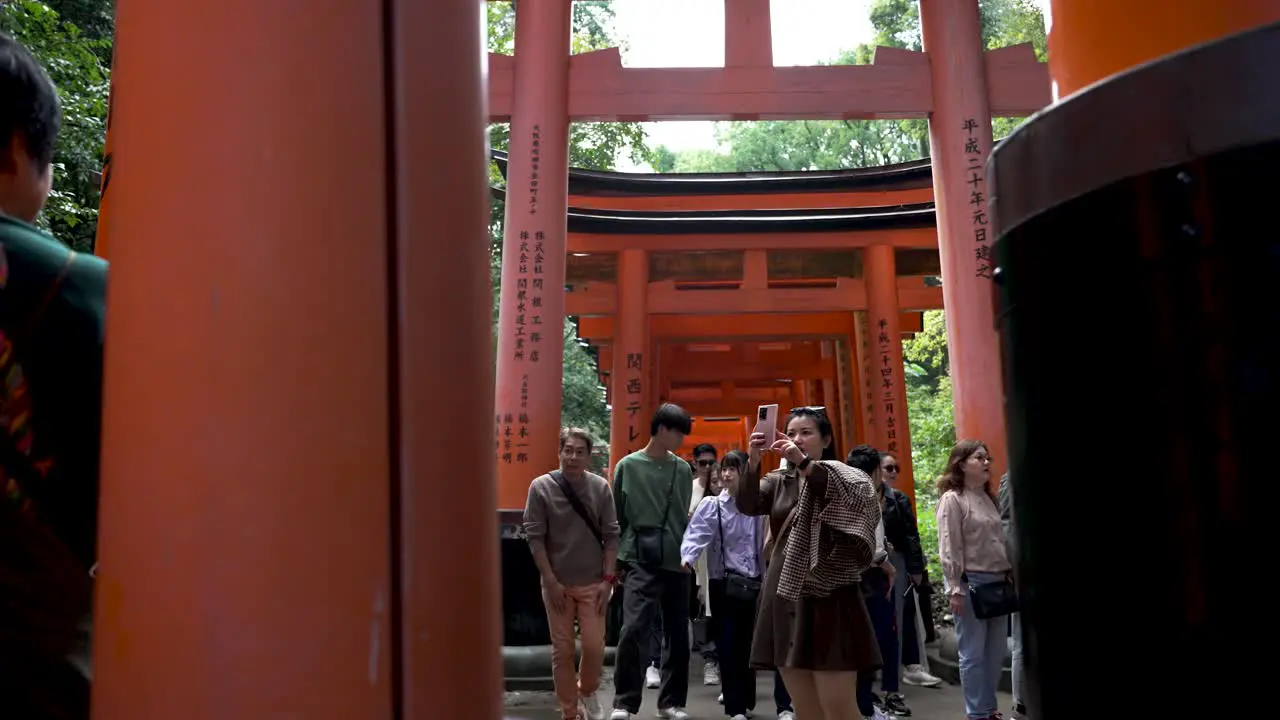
x,y
689,33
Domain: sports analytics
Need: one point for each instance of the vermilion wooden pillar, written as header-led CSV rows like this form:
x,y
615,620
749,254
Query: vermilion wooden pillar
x,y
531,314
888,385
1092,39
450,642
260,440
862,356
631,377
841,389
245,509
101,239
960,138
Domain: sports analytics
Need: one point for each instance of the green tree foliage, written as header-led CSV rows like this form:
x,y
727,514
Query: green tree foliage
x,y
591,145
78,59
933,430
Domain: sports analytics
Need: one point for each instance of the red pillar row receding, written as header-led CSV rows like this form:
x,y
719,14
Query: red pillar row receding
x,y
276,403
531,312
960,141
631,377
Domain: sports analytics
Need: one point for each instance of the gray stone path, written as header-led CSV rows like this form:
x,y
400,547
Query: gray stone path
x,y
940,703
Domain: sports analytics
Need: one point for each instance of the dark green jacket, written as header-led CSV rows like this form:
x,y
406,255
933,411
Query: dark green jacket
x,y
60,353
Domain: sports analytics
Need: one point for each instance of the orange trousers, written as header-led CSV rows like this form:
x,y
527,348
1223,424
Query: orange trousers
x,y
581,604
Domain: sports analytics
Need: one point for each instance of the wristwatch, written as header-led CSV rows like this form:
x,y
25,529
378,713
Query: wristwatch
x,y
806,462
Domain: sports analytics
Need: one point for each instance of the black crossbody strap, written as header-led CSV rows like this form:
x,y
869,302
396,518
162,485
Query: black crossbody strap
x,y
572,497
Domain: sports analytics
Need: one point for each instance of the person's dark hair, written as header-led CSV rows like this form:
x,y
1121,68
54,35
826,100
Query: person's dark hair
x,y
819,417
573,433
30,108
672,417
703,448
953,476
864,458
736,460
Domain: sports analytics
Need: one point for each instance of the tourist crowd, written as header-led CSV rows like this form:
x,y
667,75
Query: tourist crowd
x,y
813,571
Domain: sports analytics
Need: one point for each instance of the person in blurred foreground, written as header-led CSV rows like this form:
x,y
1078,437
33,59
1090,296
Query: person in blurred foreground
x,y
52,309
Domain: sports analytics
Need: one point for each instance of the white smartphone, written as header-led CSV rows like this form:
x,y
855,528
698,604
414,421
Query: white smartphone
x,y
767,422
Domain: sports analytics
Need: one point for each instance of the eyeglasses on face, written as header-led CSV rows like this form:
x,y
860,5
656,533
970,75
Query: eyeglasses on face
x,y
706,463
890,468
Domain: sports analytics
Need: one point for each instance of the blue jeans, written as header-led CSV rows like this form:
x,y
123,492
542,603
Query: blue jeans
x,y
1017,662
982,646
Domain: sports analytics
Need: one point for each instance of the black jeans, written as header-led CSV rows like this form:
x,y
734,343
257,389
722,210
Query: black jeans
x,y
649,592
910,638
706,630
781,698
737,625
878,594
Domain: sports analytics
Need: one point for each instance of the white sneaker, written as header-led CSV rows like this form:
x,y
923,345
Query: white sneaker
x,y
720,699
786,715
674,713
916,675
619,714
652,678
739,717
711,674
591,707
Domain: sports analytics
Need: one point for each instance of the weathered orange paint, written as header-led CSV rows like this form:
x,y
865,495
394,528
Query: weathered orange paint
x,y
960,138
244,548
531,314
1090,40
631,377
888,386
748,39
450,642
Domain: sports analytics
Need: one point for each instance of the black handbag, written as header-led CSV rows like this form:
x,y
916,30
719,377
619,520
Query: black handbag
x,y
736,586
649,540
993,600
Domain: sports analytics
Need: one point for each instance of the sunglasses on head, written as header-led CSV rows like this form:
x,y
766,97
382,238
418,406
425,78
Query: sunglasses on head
x,y
820,409
891,468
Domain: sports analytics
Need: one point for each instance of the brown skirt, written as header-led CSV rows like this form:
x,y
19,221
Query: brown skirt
x,y
828,634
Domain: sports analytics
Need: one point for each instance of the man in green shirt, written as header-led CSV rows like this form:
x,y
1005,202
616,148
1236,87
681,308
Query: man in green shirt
x,y
52,307
652,489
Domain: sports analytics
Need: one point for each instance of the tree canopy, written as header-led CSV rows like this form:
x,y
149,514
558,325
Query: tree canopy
x,y
73,40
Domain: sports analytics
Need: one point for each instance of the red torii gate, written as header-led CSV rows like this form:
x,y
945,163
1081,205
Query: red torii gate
x,y
543,88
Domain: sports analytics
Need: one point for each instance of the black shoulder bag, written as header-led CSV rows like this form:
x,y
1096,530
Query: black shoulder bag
x,y
736,586
995,599
649,540
992,600
572,497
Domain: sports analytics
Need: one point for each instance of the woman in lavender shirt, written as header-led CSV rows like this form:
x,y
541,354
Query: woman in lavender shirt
x,y
734,543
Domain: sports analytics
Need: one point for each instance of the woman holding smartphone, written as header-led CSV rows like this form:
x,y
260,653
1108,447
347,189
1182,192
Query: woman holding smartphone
x,y
813,625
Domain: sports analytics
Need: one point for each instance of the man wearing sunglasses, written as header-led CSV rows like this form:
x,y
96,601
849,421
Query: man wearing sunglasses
x,y
706,483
